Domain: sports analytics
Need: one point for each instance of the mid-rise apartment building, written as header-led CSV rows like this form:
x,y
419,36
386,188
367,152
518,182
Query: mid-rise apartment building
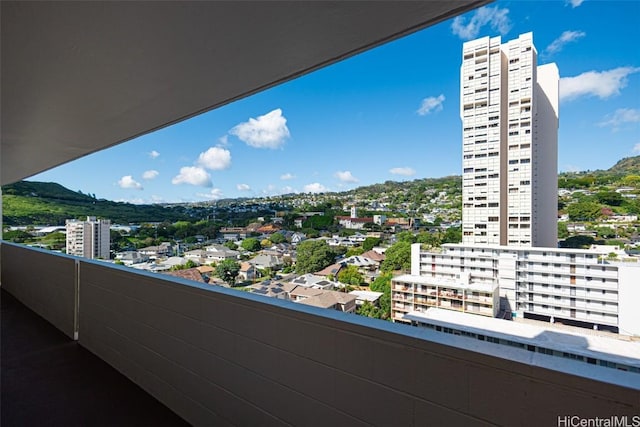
x,y
88,239
569,285
509,112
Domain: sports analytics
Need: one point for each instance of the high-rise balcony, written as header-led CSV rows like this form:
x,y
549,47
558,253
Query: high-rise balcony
x,y
219,357
210,355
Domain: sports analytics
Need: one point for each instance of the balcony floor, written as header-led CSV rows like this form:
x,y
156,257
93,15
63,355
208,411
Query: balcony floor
x,y
49,380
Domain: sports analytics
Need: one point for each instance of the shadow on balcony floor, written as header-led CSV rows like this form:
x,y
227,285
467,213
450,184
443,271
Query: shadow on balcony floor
x,y
49,380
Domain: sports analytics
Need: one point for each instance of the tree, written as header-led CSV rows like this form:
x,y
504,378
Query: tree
x,y
383,284
397,257
370,243
231,245
277,238
605,232
584,211
350,276
452,235
577,242
187,265
313,255
405,236
16,236
228,270
55,240
610,198
353,252
369,310
251,244
563,231
429,239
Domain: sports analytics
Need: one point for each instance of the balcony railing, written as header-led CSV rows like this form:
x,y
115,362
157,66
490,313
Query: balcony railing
x,y
216,356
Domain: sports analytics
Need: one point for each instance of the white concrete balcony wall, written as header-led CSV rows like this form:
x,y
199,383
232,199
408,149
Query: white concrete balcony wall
x,y
44,283
221,357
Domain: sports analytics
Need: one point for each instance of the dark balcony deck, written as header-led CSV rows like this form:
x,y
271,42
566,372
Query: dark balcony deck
x,y
49,380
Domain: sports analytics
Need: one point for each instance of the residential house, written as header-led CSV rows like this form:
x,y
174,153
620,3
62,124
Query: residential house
x,y
297,238
220,253
263,261
156,252
375,254
280,290
363,263
233,233
129,258
189,274
354,223
170,262
315,281
332,300
331,270
268,229
366,296
300,293
248,271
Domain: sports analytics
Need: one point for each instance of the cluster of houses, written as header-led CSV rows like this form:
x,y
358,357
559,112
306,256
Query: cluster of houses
x,y
320,289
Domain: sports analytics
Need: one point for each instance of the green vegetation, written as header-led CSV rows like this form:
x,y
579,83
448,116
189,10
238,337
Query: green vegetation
x,y
45,203
397,257
251,244
313,255
228,270
350,276
383,310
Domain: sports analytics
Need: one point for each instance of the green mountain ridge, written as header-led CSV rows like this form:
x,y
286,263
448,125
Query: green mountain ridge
x,y
47,203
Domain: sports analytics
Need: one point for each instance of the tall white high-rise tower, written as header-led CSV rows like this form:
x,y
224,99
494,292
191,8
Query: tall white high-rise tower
x,y
509,111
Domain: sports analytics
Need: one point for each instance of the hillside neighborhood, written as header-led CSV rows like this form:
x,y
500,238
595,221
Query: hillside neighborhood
x,y
353,243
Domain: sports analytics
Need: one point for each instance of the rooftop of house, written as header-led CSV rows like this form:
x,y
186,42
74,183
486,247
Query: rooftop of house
x,y
189,274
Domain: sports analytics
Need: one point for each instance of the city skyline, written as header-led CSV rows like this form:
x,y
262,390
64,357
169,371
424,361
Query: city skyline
x,y
391,113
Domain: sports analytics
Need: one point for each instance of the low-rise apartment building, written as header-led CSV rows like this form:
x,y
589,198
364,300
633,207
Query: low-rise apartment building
x,y
419,293
574,286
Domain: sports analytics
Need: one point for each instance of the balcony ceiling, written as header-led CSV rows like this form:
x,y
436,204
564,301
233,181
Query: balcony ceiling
x,y
78,77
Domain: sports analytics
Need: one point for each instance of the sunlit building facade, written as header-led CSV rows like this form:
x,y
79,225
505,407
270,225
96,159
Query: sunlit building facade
x,y
509,112
88,239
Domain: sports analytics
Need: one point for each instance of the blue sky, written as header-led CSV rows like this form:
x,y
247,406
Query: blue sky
x,y
391,113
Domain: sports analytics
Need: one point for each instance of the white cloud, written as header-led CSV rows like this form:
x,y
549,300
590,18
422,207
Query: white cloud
x,y
215,158
193,175
345,176
636,148
224,140
154,154
565,37
315,188
214,194
621,116
268,131
287,190
128,182
157,199
495,17
150,174
134,201
403,171
593,83
287,176
574,3
243,187
431,104
571,168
